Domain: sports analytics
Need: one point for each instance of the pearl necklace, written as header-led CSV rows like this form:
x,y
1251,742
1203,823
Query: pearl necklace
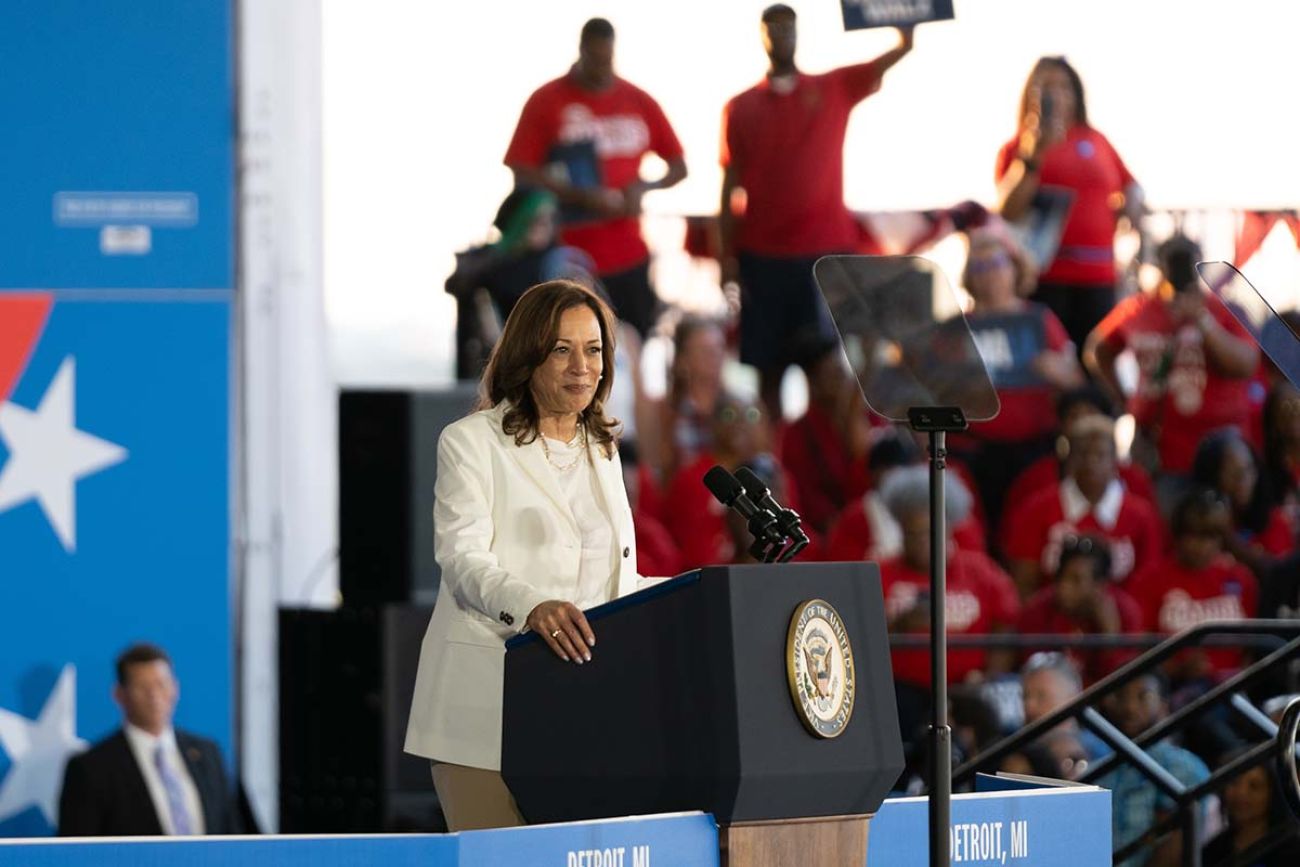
x,y
571,465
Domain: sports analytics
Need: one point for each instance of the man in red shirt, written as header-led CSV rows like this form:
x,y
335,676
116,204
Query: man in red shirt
x,y
1194,360
1089,500
783,145
583,136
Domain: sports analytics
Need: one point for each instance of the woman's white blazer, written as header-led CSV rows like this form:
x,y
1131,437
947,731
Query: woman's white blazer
x,y
506,540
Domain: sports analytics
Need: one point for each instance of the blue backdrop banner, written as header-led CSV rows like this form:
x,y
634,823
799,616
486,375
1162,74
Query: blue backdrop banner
x,y
118,151
114,523
684,840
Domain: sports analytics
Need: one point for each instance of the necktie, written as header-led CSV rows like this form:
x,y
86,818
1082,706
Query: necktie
x,y
182,823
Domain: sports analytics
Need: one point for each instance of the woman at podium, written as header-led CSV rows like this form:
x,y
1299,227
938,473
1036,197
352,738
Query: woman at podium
x,y
531,525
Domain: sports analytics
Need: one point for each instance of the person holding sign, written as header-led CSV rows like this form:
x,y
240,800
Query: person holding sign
x,y
1029,357
783,146
1055,149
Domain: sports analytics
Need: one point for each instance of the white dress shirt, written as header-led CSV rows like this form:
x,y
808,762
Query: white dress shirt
x,y
144,746
597,568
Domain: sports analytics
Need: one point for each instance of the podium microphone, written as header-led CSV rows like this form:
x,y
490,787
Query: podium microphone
x,y
762,523
787,520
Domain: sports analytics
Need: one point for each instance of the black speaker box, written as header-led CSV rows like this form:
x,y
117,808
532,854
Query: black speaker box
x,y
346,678
388,443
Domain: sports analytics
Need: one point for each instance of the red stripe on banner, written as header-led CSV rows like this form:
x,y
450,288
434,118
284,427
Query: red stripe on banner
x,y
22,319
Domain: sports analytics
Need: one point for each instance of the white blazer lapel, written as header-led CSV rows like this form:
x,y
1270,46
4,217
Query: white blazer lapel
x,y
609,474
532,460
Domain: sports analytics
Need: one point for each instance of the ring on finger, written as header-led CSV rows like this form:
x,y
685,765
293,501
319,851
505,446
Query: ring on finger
x,y
555,633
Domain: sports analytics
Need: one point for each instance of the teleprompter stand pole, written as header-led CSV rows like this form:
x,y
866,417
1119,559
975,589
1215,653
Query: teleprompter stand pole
x,y
937,422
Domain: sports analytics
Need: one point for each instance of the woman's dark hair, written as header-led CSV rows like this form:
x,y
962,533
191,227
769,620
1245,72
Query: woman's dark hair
x,y
1208,463
1092,548
1076,84
1277,809
529,336
1274,475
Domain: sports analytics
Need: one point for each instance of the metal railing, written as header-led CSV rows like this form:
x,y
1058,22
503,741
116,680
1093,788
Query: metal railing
x,y
1281,639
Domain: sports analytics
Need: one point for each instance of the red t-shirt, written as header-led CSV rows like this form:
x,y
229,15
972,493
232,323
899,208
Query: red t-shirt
x,y
981,598
1046,472
1039,526
623,123
826,475
698,522
1009,343
788,153
1178,391
1085,163
1173,597
656,552
1277,539
1041,615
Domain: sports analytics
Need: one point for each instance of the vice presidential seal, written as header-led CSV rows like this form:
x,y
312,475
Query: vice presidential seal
x,y
819,666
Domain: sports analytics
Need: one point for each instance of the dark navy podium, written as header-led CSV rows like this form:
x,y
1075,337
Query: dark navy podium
x,y
687,705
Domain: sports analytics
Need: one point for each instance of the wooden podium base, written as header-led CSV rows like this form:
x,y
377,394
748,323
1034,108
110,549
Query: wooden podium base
x,y
826,841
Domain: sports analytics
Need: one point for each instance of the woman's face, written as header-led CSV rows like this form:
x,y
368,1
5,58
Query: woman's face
x,y
1247,797
703,354
991,275
1237,474
565,382
1055,92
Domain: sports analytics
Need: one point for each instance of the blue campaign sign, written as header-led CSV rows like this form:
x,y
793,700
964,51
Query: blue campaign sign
x,y
677,840
861,14
118,167
682,840
1040,827
114,523
433,850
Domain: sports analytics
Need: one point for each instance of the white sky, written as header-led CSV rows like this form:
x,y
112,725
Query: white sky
x,y
420,99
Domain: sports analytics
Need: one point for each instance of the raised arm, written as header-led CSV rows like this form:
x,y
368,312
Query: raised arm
x,y
727,227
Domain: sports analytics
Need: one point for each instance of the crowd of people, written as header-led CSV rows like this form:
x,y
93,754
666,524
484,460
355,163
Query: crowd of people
x,y
1055,525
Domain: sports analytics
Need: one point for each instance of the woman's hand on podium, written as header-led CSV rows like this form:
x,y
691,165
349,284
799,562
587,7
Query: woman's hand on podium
x,y
564,627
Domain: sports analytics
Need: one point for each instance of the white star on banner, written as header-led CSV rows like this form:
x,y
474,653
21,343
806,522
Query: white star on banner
x,y
38,751
48,455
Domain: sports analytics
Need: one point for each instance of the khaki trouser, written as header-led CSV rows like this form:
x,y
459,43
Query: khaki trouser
x,y
474,798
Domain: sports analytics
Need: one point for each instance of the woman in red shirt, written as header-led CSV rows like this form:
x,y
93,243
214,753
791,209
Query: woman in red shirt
x,y
981,598
1056,152
1226,463
1197,582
